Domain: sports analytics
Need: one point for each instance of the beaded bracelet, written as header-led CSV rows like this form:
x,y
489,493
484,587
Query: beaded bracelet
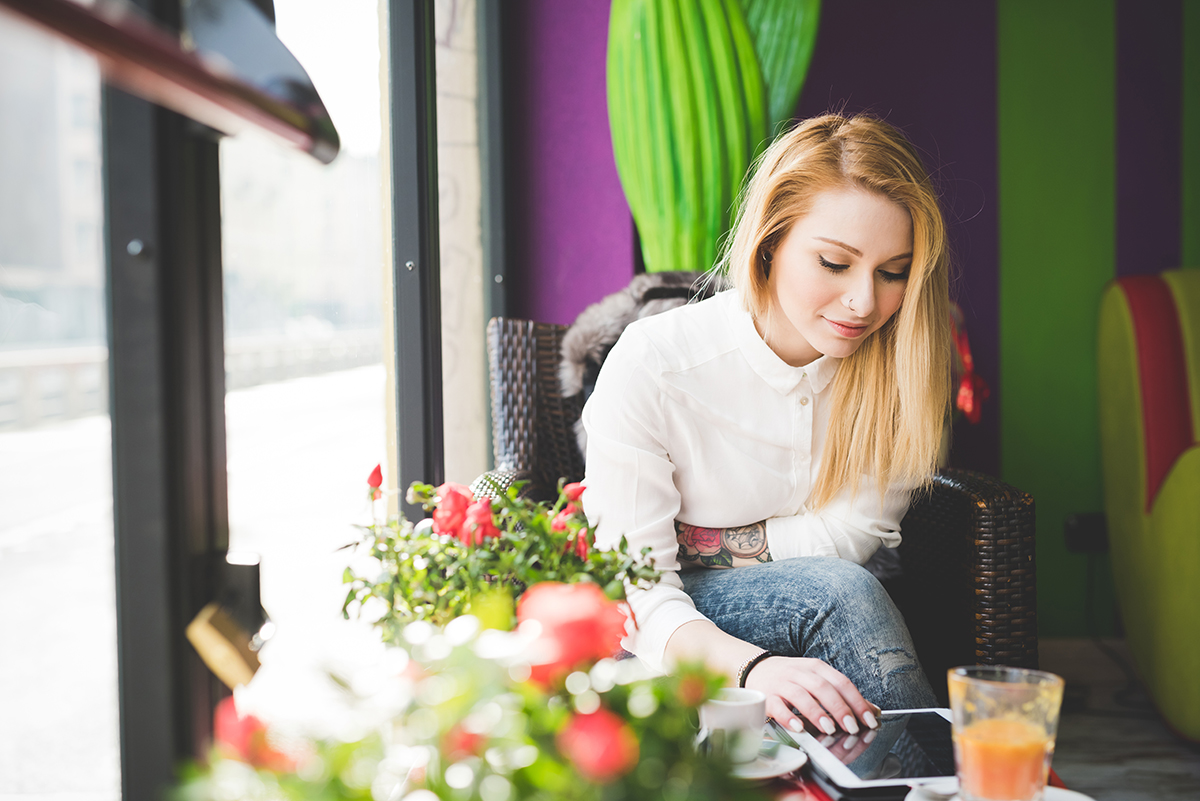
x,y
750,664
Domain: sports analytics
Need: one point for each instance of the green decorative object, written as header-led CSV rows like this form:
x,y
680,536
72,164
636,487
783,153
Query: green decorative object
x,y
784,33
694,87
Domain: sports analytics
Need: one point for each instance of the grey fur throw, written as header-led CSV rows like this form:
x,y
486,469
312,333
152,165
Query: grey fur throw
x,y
597,327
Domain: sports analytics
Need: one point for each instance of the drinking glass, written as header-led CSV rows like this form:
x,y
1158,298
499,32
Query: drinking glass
x,y
1005,720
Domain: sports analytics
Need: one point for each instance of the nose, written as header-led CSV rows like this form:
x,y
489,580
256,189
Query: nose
x,y
860,296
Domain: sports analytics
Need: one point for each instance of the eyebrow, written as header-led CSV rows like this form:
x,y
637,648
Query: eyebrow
x,y
856,251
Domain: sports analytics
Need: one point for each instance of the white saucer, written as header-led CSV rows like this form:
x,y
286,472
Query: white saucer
x,y
780,761
951,785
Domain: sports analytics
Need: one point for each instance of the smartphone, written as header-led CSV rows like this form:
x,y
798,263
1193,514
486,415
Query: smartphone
x,y
910,747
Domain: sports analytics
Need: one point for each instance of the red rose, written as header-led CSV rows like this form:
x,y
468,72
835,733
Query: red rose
x,y
478,523
579,625
706,541
244,738
601,746
374,482
574,491
559,523
451,512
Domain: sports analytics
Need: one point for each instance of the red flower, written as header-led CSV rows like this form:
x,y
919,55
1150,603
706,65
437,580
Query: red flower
x,y
691,690
581,544
574,491
972,389
244,738
375,481
706,541
560,521
458,743
972,392
451,513
579,625
601,746
478,522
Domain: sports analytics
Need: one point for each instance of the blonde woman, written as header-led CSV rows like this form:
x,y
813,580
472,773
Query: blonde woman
x,y
780,428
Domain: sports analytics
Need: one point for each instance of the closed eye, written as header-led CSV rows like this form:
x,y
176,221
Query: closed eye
x,y
828,265
890,276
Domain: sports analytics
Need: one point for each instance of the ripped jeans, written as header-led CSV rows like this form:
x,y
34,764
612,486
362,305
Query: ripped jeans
x,y
820,607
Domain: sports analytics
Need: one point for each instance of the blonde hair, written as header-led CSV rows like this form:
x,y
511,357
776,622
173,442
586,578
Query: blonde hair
x,y
890,398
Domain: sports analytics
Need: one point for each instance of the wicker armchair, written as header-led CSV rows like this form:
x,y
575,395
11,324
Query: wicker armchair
x,y
967,585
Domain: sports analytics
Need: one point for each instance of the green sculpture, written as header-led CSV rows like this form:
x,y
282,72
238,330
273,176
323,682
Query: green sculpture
x,y
695,87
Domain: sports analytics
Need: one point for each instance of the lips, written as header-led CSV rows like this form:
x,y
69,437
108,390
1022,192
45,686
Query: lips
x,y
846,330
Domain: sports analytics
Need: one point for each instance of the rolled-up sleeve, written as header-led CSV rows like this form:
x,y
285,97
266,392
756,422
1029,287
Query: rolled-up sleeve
x,y
852,526
631,490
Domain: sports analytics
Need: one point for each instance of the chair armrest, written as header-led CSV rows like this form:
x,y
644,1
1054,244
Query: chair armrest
x,y
495,483
968,587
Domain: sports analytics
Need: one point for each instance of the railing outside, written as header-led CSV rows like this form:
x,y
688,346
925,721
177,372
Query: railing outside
x,y
48,385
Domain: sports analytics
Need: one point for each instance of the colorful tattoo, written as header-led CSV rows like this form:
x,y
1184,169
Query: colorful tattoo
x,y
722,547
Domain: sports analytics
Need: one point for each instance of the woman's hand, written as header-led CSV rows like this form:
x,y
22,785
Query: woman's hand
x,y
722,547
821,695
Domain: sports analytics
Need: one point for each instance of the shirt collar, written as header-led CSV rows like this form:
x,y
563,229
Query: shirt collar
x,y
778,374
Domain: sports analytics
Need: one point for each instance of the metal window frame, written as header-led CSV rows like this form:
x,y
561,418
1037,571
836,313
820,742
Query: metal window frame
x,y
416,272
167,402
489,44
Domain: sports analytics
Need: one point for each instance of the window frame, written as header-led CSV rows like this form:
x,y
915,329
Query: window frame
x,y
167,379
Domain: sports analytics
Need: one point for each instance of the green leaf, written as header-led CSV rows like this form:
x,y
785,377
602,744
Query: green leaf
x,y
784,34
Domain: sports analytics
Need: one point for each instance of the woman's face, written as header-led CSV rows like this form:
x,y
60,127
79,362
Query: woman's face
x,y
838,275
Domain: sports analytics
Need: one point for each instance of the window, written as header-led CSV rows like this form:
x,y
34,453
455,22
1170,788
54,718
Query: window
x,y
304,272
58,678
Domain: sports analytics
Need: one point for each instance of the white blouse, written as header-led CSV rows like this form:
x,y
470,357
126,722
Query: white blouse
x,y
694,418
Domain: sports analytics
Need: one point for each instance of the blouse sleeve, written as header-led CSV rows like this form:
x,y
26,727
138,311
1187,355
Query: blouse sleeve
x,y
631,489
852,526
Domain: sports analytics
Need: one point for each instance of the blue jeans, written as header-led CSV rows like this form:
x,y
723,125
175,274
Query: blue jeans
x,y
819,607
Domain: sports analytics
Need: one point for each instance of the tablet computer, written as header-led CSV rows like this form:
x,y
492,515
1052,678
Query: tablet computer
x,y
910,747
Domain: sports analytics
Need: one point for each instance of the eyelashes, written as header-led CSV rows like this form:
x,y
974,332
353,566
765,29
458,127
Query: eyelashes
x,y
890,277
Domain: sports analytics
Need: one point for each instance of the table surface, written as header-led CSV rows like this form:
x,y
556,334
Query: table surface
x,y
796,787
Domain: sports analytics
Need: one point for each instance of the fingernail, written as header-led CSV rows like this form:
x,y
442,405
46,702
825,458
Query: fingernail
x,y
795,725
869,737
827,725
850,724
849,742
870,720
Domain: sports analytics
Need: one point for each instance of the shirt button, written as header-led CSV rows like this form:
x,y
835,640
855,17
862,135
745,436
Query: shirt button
x,y
803,401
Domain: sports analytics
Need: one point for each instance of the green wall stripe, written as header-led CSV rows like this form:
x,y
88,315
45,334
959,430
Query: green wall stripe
x,y
1190,220
1057,143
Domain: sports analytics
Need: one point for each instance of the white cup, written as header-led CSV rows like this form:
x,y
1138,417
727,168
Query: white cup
x,y
733,721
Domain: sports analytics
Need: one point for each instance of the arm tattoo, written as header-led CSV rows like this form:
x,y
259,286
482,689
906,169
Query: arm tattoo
x,y
722,547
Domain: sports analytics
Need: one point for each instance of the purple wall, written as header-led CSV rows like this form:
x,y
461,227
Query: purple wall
x,y
569,227
1149,133
929,68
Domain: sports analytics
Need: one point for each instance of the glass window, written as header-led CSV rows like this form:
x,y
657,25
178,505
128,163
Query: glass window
x,y
305,265
308,316
58,677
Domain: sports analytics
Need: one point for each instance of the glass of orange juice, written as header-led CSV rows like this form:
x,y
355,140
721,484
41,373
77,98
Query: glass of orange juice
x,y
1005,720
